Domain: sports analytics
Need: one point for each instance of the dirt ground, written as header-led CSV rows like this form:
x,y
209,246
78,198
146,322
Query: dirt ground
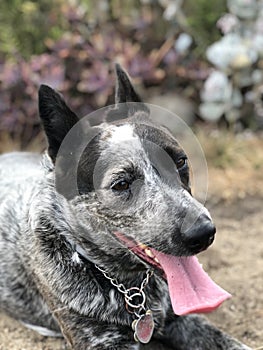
x,y
235,260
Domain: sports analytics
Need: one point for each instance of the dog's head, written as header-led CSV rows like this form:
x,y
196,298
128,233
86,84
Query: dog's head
x,y
133,177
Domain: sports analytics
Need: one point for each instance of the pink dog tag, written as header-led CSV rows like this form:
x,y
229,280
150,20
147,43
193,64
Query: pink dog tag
x,y
143,328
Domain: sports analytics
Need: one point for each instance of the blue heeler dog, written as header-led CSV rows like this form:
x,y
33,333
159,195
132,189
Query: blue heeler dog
x,y
108,267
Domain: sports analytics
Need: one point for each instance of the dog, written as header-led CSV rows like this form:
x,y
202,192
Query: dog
x,y
92,246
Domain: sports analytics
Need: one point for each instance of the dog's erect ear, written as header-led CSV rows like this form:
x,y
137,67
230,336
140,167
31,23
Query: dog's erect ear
x,y
56,116
124,95
124,90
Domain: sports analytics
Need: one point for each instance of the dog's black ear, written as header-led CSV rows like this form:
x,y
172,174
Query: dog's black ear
x,y
56,116
124,90
124,95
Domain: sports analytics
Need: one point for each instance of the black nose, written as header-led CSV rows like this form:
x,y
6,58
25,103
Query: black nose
x,y
201,235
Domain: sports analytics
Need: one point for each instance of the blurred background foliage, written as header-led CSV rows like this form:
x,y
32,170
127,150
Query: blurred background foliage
x,y
25,25
72,46
202,16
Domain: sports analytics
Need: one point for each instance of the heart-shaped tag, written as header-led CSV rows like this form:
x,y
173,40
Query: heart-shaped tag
x,y
143,328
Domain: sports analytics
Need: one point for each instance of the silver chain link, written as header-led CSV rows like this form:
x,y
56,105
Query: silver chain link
x,y
122,289
135,299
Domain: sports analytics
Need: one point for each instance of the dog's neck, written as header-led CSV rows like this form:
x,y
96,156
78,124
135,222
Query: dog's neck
x,y
111,264
134,297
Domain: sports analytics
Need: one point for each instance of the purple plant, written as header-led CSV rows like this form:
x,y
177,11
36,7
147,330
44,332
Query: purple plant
x,y
80,65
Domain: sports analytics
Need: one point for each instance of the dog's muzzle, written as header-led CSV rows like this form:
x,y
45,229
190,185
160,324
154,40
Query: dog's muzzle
x,y
201,235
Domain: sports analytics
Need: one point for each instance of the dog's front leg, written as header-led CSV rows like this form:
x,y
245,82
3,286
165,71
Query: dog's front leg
x,y
84,333
196,333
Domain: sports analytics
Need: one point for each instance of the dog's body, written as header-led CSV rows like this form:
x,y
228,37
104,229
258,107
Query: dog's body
x,y
52,249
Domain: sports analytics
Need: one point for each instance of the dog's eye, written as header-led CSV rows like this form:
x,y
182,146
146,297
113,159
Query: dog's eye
x,y
121,185
181,163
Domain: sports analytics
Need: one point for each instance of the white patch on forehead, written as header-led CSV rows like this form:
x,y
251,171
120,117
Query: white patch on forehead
x,y
122,133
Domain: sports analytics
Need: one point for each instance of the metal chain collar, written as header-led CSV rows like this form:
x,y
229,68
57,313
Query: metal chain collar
x,y
135,297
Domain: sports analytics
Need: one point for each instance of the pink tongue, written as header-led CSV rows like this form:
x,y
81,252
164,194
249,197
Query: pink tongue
x,y
190,287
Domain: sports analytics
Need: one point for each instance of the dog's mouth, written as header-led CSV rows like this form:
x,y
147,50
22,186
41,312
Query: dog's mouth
x,y
141,250
191,289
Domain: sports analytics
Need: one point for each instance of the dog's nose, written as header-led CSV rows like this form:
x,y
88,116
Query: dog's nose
x,y
201,235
